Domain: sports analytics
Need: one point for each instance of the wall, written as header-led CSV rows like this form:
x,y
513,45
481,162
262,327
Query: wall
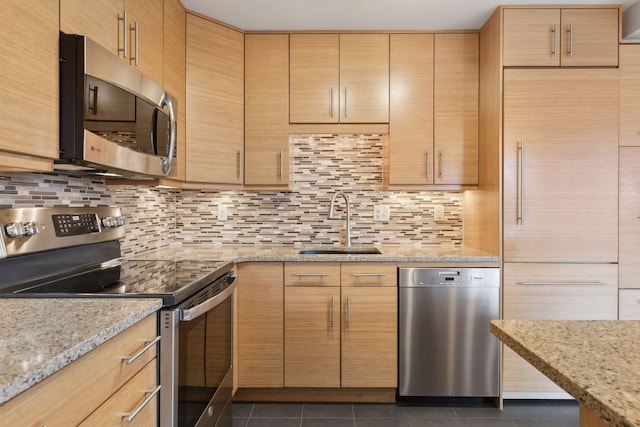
x,y
322,165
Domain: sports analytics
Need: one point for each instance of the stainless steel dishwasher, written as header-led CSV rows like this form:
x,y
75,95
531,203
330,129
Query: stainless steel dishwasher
x,y
445,347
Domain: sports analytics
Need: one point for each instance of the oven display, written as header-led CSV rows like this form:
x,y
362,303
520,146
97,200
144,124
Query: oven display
x,y
75,225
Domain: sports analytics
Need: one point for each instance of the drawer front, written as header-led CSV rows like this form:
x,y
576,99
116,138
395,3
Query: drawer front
x,y
85,384
311,274
369,274
629,304
137,394
560,291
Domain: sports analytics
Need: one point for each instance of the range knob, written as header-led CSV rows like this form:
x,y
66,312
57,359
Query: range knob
x,y
108,222
15,229
31,228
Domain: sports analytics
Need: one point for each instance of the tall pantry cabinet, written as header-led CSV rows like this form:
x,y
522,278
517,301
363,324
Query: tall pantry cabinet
x,y
553,132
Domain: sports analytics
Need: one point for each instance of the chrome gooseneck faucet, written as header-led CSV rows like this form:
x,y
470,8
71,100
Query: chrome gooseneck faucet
x,y
332,213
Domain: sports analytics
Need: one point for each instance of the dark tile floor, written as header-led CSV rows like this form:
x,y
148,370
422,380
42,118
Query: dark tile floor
x,y
520,413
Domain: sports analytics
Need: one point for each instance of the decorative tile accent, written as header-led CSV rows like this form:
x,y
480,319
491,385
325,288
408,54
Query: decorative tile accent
x,y
322,164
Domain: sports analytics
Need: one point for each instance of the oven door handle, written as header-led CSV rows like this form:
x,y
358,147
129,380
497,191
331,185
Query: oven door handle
x,y
202,308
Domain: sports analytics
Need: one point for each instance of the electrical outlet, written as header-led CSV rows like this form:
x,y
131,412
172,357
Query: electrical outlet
x,y
438,213
222,213
381,213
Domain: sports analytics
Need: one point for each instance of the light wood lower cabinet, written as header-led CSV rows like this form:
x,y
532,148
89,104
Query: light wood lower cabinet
x,y
260,298
629,211
629,304
69,396
553,292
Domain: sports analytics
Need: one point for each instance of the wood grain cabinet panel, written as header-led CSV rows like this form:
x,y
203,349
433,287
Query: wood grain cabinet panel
x,y
629,234
148,17
568,37
266,143
629,95
260,325
560,165
29,84
629,304
97,20
215,102
553,292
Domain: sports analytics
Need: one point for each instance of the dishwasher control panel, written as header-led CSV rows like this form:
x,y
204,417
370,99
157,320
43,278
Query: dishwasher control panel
x,y
416,277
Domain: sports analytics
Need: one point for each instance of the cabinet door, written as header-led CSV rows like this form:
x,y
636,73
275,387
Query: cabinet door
x,y
175,73
531,37
146,45
456,109
312,337
369,337
97,20
629,304
629,95
260,325
553,292
29,80
629,217
314,78
411,109
215,102
266,94
589,37
560,188
364,78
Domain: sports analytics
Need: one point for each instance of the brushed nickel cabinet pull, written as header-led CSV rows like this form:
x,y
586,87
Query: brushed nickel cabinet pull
x,y
333,311
331,102
570,41
554,46
124,49
129,416
562,283
428,164
369,275
520,195
348,311
238,163
149,344
281,164
136,58
311,274
345,102
440,164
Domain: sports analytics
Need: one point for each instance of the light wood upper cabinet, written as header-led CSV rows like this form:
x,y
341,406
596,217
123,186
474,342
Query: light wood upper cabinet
x,y
572,37
215,102
29,84
266,143
560,165
175,22
411,109
103,22
629,73
260,325
629,235
339,78
456,109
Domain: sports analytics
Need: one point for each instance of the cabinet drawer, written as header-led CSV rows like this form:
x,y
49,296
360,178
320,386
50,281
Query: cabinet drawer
x,y
129,398
369,274
560,291
312,274
85,384
629,304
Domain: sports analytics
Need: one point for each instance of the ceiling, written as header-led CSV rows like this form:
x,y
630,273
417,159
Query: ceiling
x,y
434,15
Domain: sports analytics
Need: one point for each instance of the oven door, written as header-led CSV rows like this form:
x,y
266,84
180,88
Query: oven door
x,y
196,363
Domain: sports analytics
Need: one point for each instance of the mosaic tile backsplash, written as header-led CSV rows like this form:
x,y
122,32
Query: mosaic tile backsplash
x,y
322,165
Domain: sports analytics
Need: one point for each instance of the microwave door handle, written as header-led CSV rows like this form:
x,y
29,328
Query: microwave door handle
x,y
165,165
202,308
154,132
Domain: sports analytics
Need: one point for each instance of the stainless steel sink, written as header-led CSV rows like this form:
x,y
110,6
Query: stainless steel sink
x,y
340,250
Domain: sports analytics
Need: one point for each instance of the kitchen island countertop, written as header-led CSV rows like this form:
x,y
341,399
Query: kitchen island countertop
x,y
42,335
595,361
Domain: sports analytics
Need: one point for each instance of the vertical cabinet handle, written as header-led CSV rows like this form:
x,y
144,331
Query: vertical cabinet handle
x,y
345,102
348,311
331,102
520,195
238,163
124,49
554,45
440,164
333,311
428,164
281,164
136,58
570,41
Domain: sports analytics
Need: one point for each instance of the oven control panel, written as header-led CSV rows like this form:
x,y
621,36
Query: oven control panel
x,y
28,230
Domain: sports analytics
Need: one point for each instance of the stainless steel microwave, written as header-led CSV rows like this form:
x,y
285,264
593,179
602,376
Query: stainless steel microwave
x,y
113,119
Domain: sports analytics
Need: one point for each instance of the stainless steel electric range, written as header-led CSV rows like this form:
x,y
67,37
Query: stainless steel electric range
x,y
75,252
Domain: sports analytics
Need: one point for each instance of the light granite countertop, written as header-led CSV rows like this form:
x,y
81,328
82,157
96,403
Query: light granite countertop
x,y
288,253
42,335
595,361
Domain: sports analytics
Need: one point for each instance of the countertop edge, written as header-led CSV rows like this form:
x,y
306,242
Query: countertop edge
x,y
28,379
